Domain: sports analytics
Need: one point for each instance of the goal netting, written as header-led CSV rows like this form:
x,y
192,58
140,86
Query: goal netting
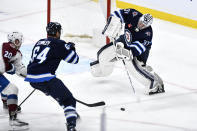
x,y
82,20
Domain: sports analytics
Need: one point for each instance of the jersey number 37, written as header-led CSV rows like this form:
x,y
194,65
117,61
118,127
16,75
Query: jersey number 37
x,y
40,55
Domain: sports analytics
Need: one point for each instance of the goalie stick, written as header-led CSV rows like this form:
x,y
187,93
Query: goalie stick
x,y
123,61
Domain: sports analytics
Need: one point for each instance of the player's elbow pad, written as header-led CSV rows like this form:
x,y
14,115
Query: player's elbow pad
x,y
22,71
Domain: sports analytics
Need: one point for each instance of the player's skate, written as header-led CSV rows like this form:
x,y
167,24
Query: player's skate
x,y
16,124
71,127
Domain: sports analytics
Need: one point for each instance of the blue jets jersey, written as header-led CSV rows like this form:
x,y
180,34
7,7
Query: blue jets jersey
x,y
45,59
139,41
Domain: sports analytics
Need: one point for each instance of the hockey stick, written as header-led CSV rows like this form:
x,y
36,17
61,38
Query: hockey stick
x,y
131,84
101,103
26,98
134,92
89,105
129,76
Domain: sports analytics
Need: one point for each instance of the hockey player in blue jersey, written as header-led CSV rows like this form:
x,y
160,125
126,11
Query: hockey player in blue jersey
x,y
131,34
45,59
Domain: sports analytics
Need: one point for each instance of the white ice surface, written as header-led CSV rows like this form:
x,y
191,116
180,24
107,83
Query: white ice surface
x,y
173,57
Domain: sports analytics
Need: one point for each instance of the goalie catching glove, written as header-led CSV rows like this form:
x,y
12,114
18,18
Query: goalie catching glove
x,y
113,27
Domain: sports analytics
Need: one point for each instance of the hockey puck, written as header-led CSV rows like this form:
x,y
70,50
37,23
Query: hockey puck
x,y
122,109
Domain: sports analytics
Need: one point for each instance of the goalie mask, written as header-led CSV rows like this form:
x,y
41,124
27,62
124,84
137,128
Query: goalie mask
x,y
145,21
16,38
53,27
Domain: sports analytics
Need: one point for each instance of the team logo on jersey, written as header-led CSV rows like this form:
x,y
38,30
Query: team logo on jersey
x,y
128,37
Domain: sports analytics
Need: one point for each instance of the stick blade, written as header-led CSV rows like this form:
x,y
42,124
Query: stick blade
x,y
102,103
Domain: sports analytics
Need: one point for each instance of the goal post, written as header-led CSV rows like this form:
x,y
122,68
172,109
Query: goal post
x,y
108,15
81,19
48,11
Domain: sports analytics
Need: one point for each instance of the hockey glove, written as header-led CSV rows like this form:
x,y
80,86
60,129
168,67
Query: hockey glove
x,y
71,45
12,70
122,53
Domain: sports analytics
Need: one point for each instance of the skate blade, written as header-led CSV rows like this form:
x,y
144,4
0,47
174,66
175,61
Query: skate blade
x,y
19,128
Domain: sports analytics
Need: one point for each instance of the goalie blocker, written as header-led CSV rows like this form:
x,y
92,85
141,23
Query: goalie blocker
x,y
110,53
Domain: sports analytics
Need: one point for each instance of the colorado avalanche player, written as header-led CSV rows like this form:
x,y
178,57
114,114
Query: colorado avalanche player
x,y
131,33
11,63
46,56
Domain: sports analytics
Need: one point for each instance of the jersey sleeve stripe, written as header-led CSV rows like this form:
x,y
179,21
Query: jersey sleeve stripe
x,y
121,17
118,14
137,48
69,57
75,60
140,45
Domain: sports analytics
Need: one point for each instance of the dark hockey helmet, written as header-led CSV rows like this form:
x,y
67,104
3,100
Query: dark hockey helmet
x,y
53,27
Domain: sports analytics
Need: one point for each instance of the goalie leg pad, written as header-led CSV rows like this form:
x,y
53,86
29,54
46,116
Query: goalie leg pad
x,y
100,71
106,54
138,72
145,76
105,64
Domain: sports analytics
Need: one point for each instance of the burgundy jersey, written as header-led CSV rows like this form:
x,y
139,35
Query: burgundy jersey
x,y
8,51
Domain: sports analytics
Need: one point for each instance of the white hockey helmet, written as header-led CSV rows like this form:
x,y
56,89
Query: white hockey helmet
x,y
16,38
145,21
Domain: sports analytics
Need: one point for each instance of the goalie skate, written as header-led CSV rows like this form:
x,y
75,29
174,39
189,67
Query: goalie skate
x,y
157,89
17,125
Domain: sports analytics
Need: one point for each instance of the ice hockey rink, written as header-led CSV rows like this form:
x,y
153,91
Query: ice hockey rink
x,y
173,56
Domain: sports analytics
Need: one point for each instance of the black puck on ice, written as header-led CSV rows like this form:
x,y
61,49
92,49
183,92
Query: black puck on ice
x,y
122,109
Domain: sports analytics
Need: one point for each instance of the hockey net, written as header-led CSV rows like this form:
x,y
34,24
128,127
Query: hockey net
x,y
81,20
